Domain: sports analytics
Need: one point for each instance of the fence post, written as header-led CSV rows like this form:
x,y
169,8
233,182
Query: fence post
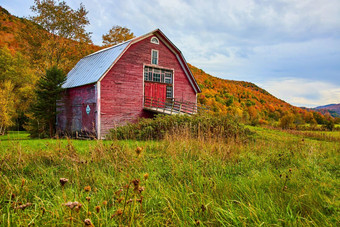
x,y
172,107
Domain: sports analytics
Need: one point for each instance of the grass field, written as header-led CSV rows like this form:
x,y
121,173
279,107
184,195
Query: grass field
x,y
275,178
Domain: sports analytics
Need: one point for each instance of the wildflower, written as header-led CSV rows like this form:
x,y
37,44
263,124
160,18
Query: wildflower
x,y
104,202
22,182
24,206
140,189
138,150
13,196
72,205
136,184
290,170
197,222
88,222
117,213
119,200
146,176
63,181
88,198
129,201
97,209
87,188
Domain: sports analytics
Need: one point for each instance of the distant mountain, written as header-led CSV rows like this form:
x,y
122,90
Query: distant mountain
x,y
333,109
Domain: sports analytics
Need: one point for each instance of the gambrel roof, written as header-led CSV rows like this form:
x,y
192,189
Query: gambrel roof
x,y
93,67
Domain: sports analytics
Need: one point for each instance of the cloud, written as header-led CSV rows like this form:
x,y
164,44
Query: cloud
x,y
303,92
251,40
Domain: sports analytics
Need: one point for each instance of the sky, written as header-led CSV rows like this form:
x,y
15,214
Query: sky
x,y
291,48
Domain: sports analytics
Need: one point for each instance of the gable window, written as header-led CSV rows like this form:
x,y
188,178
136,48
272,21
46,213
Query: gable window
x,y
154,40
154,57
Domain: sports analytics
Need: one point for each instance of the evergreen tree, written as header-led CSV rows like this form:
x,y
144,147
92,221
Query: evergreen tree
x,y
48,92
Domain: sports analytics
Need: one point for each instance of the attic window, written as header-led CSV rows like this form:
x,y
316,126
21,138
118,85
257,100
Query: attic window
x,y
154,57
154,40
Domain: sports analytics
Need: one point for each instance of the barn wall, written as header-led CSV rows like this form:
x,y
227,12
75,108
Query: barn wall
x,y
122,87
72,111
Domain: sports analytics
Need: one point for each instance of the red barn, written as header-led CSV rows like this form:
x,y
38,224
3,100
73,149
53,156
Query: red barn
x,y
122,83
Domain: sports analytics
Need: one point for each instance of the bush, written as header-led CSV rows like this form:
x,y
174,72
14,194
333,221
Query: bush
x,y
196,126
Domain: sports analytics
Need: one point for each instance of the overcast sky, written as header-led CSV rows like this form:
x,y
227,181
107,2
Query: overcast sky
x,y
291,48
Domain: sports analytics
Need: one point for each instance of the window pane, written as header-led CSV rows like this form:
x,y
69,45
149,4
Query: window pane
x,y
156,75
168,78
168,92
146,73
154,57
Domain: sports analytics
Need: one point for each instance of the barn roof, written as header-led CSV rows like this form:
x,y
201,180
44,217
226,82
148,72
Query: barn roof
x,y
93,67
90,68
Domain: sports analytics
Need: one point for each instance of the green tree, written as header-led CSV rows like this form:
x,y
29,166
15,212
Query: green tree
x,y
65,37
117,34
48,91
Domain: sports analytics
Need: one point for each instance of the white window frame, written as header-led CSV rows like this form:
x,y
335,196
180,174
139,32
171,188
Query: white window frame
x,y
157,59
154,40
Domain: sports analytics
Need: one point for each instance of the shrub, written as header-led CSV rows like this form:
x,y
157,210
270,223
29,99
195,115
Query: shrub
x,y
196,126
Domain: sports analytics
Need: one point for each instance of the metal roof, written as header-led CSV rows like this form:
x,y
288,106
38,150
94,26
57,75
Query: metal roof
x,y
90,68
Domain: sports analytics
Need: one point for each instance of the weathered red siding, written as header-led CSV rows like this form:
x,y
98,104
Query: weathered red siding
x,y
122,87
72,111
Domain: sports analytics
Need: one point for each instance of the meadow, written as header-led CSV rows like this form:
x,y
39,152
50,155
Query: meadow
x,y
273,178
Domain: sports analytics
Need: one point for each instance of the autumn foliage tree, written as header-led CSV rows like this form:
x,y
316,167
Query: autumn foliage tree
x,y
117,34
7,106
16,87
66,35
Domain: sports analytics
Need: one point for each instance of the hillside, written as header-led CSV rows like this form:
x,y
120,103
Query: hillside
x,y
32,41
245,100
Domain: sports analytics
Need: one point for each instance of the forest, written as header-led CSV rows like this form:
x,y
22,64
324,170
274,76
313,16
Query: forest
x,y
31,46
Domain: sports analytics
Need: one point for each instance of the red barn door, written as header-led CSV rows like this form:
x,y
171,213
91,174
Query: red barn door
x,y
156,91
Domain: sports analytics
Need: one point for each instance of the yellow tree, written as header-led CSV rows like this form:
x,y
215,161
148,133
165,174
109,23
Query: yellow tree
x,y
7,106
65,36
117,34
17,83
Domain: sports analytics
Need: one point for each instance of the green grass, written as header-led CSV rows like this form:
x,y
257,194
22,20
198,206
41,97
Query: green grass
x,y
276,178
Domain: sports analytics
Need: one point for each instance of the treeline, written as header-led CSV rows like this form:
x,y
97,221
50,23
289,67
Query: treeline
x,y
253,105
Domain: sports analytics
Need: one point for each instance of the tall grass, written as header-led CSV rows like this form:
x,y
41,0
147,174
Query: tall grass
x,y
275,178
196,127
